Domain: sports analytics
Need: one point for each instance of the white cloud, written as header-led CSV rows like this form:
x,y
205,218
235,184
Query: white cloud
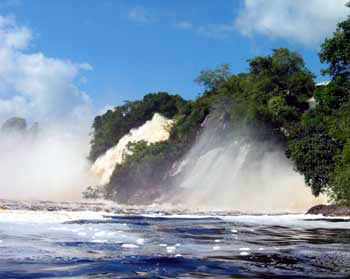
x,y
12,35
33,85
303,21
140,15
53,165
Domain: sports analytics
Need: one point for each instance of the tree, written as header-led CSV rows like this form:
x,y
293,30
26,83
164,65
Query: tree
x,y
332,96
282,74
280,111
340,179
14,124
110,127
213,79
336,51
313,152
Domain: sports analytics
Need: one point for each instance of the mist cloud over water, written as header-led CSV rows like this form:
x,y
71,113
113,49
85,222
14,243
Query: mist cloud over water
x,y
50,166
45,90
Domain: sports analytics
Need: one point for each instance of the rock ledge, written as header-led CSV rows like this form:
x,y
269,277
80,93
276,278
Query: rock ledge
x,y
329,210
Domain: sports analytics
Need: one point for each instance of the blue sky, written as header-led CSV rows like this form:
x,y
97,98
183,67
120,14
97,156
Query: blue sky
x,y
115,50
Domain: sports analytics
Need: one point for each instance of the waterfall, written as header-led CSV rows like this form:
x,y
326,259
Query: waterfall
x,y
155,130
223,170
237,173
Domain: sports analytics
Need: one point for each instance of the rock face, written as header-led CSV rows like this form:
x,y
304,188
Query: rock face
x,y
329,210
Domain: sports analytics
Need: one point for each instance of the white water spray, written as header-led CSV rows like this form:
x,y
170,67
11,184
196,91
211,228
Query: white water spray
x,y
50,166
155,130
237,175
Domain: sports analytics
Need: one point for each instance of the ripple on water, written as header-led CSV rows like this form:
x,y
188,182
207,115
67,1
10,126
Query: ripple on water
x,y
166,247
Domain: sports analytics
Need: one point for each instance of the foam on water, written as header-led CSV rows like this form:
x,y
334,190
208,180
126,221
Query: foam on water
x,y
291,220
42,244
29,216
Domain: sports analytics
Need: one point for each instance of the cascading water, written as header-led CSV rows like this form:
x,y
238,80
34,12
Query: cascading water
x,y
223,170
155,130
235,173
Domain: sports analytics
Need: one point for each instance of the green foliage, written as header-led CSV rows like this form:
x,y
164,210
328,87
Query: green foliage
x,y
272,96
141,171
214,79
271,100
313,151
282,74
338,123
109,128
145,168
332,96
317,145
280,111
188,125
340,190
335,51
320,146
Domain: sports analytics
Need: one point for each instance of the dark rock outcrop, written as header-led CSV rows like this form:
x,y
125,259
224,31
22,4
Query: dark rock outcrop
x,y
329,210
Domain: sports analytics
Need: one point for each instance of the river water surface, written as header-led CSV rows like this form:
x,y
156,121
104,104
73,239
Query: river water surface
x,y
139,243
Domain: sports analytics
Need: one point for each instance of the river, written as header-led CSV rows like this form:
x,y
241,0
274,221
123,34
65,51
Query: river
x,y
50,240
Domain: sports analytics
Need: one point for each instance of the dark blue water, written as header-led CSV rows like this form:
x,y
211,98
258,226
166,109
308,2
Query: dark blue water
x,y
135,246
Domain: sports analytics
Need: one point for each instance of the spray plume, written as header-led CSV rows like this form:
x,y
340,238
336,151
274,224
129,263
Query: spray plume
x,y
232,172
45,90
48,166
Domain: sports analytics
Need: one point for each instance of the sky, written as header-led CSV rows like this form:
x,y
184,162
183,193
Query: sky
x,y
64,59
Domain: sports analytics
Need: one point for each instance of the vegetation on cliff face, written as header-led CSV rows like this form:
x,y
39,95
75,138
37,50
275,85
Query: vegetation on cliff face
x,y
271,99
143,172
319,145
109,128
268,99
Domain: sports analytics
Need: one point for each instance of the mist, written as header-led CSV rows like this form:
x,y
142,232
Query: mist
x,y
51,165
233,172
48,90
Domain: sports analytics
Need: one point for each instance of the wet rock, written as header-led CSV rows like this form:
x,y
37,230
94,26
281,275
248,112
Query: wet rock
x,y
329,210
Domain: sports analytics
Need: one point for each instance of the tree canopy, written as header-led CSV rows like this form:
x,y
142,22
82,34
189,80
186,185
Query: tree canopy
x,y
110,127
271,100
14,124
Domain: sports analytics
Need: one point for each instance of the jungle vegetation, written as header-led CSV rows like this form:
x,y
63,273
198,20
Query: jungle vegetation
x,y
271,98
